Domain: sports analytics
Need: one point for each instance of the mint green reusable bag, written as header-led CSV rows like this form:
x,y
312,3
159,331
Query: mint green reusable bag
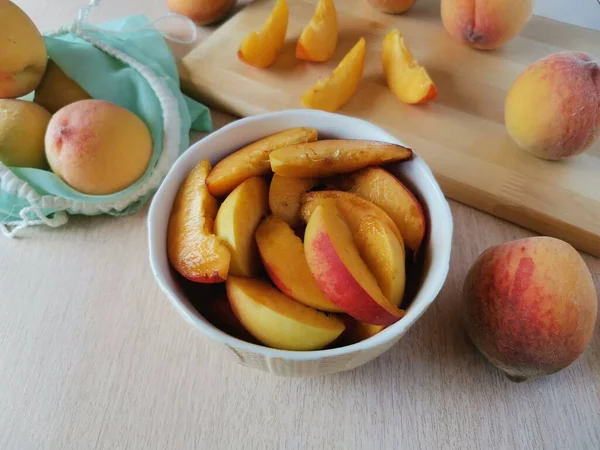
x,y
126,62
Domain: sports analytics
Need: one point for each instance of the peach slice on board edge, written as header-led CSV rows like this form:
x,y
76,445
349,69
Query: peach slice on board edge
x,y
319,38
332,93
261,48
193,250
407,80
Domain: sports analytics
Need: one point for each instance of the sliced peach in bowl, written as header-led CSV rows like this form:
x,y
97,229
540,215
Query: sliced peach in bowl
x,y
285,196
406,78
236,223
253,160
319,38
334,156
333,92
277,320
282,253
335,262
390,194
193,249
340,354
384,254
352,207
261,48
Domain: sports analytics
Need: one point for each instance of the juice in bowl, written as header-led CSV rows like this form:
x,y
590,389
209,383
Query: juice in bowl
x,y
304,242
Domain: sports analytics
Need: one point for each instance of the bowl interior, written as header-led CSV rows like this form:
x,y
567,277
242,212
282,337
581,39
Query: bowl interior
x,y
415,174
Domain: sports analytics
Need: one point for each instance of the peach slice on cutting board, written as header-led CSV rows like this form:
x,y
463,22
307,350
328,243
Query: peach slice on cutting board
x,y
407,80
277,320
282,253
236,223
334,156
335,262
193,250
332,93
285,197
253,160
261,48
352,207
319,38
386,191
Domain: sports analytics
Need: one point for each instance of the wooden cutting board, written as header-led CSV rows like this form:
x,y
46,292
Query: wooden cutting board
x,y
461,135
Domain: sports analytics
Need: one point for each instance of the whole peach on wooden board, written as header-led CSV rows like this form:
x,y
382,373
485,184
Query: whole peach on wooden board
x,y
203,12
485,24
530,306
553,108
22,129
57,89
23,53
98,147
392,6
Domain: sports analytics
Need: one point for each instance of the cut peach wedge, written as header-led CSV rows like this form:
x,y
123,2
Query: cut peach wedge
x,y
285,197
279,321
282,253
384,255
236,223
376,239
334,156
335,262
352,207
319,38
389,193
407,80
332,93
261,48
362,331
253,159
192,248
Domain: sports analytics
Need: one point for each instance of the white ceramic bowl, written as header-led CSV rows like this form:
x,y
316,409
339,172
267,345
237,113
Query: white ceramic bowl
x,y
415,173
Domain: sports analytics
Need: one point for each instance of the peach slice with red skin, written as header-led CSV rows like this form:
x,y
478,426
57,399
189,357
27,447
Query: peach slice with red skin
x,y
282,253
319,38
236,223
253,159
407,80
192,248
340,272
335,91
279,321
334,156
391,195
261,48
378,244
352,207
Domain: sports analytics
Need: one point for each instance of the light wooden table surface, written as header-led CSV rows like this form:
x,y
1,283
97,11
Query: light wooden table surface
x,y
93,356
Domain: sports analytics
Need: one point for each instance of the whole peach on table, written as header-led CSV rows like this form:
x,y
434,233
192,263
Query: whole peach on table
x,y
530,306
553,108
392,6
203,12
485,24
22,129
23,53
98,147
